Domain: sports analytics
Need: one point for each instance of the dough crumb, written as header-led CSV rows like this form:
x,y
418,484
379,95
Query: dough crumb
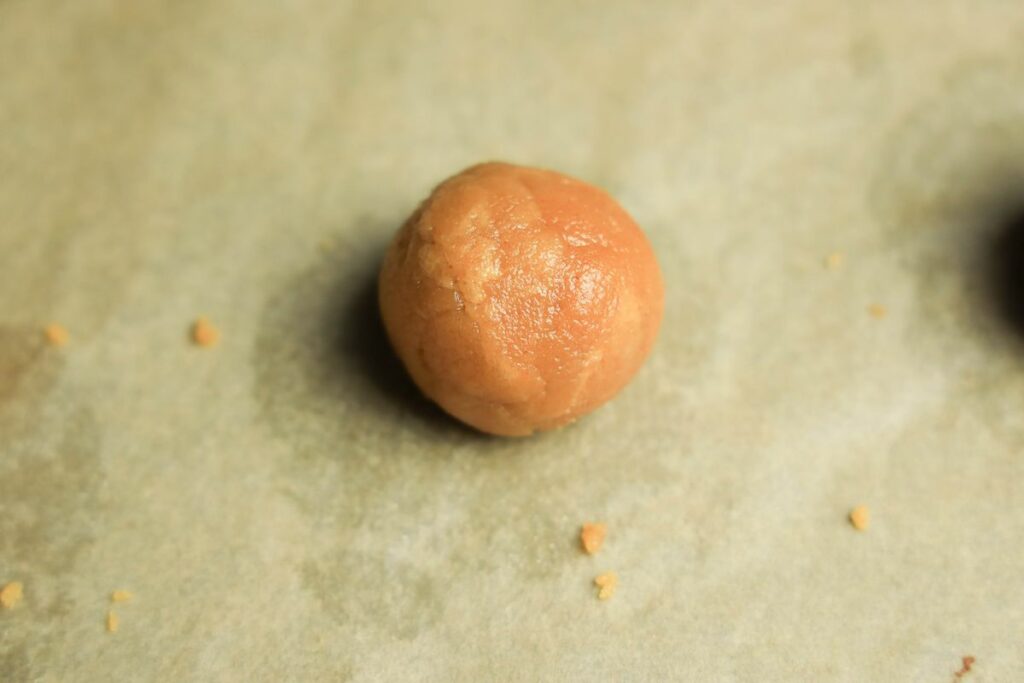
x,y
11,594
204,333
834,261
860,517
877,311
606,584
112,622
121,596
56,335
592,537
968,661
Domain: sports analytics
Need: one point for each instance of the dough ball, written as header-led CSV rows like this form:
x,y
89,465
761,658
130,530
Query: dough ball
x,y
519,299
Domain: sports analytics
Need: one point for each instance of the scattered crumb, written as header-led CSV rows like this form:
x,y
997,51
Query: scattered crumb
x,y
968,661
11,594
834,261
121,596
877,311
56,335
204,333
860,518
112,622
592,537
606,584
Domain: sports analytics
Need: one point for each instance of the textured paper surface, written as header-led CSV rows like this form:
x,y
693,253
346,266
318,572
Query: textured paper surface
x,y
284,508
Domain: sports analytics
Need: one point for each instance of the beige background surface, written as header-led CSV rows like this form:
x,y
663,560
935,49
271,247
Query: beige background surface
x,y
284,508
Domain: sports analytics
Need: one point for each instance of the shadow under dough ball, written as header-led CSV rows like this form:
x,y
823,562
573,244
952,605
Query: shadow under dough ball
x,y
520,299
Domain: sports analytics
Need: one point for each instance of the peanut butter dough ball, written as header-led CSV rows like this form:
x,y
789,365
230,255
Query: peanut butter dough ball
x,y
519,298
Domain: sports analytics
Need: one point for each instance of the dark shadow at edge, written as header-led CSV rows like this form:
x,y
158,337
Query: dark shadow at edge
x,y
1004,265
362,345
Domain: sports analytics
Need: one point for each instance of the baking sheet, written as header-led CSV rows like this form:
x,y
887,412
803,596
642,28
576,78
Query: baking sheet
x,y
284,507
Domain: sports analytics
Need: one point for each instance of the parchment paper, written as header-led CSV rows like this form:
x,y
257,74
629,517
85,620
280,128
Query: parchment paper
x,y
284,507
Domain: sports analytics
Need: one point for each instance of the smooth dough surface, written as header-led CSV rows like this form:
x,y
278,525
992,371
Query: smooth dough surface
x,y
519,299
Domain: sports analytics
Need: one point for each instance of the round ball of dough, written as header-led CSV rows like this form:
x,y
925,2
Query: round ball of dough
x,y
519,299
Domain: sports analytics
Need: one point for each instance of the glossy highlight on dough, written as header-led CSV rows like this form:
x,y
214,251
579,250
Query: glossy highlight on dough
x,y
520,299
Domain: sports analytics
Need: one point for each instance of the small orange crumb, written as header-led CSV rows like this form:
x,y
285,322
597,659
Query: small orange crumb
x,y
112,622
56,334
121,596
877,311
834,261
968,661
204,333
860,517
10,595
592,537
606,584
